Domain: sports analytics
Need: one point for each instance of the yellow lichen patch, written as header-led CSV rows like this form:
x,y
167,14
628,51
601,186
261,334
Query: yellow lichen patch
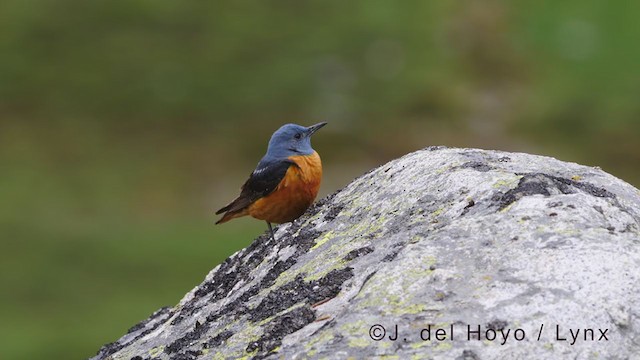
x,y
439,295
359,327
419,344
321,338
326,237
218,356
335,265
445,168
312,352
286,277
380,293
568,232
507,208
437,212
359,342
390,357
443,346
154,352
393,304
576,178
414,309
508,182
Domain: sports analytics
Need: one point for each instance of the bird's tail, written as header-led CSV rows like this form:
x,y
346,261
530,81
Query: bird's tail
x,y
231,212
232,215
224,209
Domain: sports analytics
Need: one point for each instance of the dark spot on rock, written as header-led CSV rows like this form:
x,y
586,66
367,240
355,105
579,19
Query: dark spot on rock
x,y
470,204
528,185
187,355
476,165
428,200
525,218
553,214
432,267
554,204
298,291
440,295
571,206
186,340
611,229
504,159
394,251
389,257
217,340
280,327
435,148
357,253
252,347
327,325
497,324
108,349
315,207
275,271
593,190
629,228
333,212
468,355
137,358
515,238
366,280
543,184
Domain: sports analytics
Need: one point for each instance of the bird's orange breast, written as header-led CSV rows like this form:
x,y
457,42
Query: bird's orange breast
x,y
295,193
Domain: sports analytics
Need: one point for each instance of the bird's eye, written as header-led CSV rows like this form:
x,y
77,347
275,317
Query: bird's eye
x,y
297,136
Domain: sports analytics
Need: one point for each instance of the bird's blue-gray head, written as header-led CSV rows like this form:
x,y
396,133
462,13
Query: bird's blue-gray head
x,y
292,139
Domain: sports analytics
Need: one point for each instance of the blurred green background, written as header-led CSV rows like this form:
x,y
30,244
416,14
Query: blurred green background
x,y
125,124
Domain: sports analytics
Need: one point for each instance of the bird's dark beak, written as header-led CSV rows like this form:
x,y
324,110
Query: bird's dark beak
x,y
313,128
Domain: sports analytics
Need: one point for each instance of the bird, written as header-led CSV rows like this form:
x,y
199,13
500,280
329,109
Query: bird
x,y
284,183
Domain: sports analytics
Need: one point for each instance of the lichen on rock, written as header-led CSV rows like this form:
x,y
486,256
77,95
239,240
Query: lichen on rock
x,y
453,239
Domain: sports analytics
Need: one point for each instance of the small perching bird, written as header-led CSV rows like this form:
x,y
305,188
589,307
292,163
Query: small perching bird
x,y
285,182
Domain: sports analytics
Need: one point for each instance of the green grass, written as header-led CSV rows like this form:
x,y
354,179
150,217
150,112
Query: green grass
x,y
65,293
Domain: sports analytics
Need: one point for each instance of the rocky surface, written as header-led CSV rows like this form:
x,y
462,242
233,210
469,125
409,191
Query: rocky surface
x,y
507,253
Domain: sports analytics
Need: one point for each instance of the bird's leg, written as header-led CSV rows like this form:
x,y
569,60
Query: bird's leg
x,y
271,230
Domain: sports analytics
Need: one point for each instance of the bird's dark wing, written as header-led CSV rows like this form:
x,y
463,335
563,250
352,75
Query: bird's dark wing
x,y
262,181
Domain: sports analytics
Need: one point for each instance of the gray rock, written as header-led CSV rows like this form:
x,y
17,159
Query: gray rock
x,y
507,253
